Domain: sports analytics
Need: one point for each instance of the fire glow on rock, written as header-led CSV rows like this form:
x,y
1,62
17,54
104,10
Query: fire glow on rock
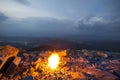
x,y
53,61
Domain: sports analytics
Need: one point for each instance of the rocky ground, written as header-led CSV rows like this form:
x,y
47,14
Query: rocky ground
x,y
74,65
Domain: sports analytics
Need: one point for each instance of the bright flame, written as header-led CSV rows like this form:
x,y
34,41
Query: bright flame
x,y
53,61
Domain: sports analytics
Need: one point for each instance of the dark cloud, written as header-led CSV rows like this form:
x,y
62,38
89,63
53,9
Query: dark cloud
x,y
38,27
25,2
115,25
99,26
2,17
90,26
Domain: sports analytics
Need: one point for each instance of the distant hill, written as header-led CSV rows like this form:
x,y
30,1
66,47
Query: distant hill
x,y
56,43
42,47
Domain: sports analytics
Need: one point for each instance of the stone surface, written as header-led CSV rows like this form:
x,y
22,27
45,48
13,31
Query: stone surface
x,y
7,55
74,65
12,67
6,52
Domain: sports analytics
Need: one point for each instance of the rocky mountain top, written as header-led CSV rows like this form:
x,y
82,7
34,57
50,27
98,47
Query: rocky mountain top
x,y
73,65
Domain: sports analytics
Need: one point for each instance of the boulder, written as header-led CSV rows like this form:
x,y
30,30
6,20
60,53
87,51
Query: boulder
x,y
7,55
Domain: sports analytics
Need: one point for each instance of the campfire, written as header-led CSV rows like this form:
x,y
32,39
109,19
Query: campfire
x,y
53,61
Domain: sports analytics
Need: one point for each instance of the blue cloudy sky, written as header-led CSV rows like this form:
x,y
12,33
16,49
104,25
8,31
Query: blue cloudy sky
x,y
56,18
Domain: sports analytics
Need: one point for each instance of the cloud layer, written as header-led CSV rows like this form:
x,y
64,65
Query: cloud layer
x,y
25,2
60,18
40,27
99,25
3,17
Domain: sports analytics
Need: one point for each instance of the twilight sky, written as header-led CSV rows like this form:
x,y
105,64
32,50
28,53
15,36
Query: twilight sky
x,y
56,18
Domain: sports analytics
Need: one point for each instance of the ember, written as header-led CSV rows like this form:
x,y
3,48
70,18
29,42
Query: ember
x,y
53,61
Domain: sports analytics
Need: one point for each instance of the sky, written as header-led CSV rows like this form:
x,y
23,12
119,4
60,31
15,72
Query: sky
x,y
60,18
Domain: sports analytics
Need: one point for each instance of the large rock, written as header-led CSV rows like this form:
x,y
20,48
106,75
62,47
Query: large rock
x,y
12,67
117,73
101,75
28,78
7,55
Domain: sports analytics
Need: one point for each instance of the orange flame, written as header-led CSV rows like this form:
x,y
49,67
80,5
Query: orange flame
x,y
53,61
